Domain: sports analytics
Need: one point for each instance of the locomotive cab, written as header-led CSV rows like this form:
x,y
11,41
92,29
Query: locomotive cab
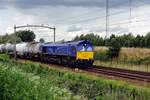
x,y
85,53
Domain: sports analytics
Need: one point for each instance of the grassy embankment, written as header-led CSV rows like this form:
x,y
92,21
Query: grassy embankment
x,y
19,82
129,58
37,81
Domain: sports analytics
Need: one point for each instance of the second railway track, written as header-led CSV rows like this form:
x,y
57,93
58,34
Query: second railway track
x,y
128,74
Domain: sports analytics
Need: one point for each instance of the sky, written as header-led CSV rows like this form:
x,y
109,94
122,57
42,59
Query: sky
x,y
75,17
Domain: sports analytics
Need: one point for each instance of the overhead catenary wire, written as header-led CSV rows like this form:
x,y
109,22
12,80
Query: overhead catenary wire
x,y
84,14
97,17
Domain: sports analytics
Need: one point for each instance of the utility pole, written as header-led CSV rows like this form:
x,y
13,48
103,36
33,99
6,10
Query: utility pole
x,y
130,4
130,15
15,53
107,18
54,34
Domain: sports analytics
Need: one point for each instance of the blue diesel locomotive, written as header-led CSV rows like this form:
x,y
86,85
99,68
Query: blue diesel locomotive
x,y
76,53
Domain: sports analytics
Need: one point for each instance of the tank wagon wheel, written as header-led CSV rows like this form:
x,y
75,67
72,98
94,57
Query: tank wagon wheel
x,y
60,60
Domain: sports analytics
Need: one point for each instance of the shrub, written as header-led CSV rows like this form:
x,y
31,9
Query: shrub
x,y
4,57
114,50
144,61
101,55
15,85
90,87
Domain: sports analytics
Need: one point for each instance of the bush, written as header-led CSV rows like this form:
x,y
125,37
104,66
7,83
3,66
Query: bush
x,y
90,87
4,57
144,61
15,85
114,50
100,55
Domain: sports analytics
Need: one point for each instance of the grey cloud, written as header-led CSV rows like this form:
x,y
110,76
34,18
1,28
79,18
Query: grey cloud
x,y
5,3
69,3
97,29
112,30
74,29
119,30
25,4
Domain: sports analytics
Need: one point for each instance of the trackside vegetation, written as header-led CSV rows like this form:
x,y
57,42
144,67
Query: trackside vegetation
x,y
35,80
5,58
128,58
16,84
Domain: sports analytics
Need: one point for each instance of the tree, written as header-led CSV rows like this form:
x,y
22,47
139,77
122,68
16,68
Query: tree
x,y
114,49
126,40
41,40
147,40
76,38
26,35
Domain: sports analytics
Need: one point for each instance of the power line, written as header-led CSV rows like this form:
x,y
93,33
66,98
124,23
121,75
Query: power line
x,y
98,17
77,16
85,13
72,18
127,22
131,7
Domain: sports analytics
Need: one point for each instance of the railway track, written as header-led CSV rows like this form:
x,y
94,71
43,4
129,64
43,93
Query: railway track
x,y
116,72
128,74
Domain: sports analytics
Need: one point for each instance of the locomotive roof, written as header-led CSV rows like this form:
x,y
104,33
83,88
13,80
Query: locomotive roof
x,y
66,43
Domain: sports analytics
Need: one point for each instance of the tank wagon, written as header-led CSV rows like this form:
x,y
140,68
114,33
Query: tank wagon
x,y
70,53
7,47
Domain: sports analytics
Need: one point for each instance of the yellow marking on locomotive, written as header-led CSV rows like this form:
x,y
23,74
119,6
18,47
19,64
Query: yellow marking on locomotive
x,y
85,55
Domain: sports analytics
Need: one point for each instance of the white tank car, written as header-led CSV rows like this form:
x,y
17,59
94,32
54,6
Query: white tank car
x,y
21,48
1,45
34,47
9,47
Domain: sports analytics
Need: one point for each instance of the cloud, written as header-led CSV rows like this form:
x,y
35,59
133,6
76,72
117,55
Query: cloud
x,y
5,3
68,3
74,28
27,4
119,29
97,29
71,17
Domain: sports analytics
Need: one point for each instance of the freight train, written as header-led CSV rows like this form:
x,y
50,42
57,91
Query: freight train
x,y
79,53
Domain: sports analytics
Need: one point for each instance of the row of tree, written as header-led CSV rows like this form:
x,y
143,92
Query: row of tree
x,y
126,40
19,36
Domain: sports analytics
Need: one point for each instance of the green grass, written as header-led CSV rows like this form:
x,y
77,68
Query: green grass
x,y
4,57
125,62
18,85
101,55
123,65
86,86
29,80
